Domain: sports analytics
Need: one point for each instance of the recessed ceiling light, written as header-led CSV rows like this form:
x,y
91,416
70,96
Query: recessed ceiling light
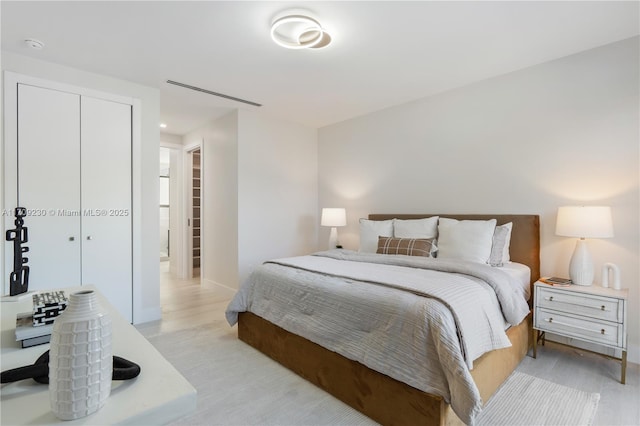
x,y
299,32
163,126
34,44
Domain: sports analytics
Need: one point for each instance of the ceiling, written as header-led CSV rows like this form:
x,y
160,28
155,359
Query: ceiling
x,y
383,53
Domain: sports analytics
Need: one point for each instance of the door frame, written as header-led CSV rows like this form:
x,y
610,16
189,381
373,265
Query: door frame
x,y
188,206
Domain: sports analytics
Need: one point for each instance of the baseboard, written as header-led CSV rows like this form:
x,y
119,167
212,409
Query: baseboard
x,y
223,289
141,316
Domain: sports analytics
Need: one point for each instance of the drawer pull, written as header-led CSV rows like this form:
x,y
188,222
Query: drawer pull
x,y
600,308
551,321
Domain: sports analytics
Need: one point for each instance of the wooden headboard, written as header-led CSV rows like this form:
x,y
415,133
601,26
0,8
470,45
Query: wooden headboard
x,y
525,235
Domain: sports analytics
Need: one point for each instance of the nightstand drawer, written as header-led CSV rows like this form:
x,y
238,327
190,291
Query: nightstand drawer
x,y
605,308
606,333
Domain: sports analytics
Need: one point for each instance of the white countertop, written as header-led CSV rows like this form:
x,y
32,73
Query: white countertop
x,y
159,395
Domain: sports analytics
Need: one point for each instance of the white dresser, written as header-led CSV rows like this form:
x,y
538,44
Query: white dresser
x,y
588,313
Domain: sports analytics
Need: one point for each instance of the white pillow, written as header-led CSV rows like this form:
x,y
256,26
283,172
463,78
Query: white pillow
x,y
370,230
416,228
500,246
465,239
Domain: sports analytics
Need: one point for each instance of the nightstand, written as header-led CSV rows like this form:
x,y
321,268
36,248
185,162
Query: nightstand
x,y
591,314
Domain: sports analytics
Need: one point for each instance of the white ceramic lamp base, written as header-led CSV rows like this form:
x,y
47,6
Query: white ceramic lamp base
x,y
333,238
581,265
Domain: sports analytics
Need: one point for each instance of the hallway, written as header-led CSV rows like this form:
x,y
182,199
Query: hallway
x,y
186,304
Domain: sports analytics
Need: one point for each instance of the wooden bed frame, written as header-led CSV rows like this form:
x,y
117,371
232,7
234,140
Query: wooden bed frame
x,y
383,399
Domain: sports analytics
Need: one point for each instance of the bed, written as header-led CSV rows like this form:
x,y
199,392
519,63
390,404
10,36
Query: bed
x,y
382,397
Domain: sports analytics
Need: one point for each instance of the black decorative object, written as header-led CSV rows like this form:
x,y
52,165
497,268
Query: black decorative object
x,y
123,369
19,278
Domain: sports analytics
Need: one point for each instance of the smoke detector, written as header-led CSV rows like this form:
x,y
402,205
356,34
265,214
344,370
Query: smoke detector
x,y
34,44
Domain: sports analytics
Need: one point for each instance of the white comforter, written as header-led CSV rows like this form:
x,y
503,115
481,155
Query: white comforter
x,y
419,320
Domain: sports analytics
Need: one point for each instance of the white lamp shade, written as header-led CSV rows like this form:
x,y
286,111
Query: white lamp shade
x,y
584,222
333,217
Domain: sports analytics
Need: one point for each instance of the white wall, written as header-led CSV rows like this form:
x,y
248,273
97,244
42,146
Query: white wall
x,y
169,139
2,204
260,193
277,190
219,230
146,298
560,133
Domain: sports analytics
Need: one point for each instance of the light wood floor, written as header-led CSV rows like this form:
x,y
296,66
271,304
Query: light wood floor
x,y
186,304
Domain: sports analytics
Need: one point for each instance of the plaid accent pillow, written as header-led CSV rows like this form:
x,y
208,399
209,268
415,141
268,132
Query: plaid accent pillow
x,y
407,246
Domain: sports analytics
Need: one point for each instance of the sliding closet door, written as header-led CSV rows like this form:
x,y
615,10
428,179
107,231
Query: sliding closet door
x,y
48,184
106,200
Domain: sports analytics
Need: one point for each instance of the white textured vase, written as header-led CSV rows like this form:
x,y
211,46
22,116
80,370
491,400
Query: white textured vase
x,y
80,358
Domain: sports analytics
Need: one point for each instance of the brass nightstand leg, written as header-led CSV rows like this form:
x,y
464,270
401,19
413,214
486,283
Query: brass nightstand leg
x,y
623,375
535,343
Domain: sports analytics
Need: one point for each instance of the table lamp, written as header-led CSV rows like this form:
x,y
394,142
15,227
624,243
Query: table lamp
x,y
333,217
583,222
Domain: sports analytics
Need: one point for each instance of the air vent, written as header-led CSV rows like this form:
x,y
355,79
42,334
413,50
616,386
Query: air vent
x,y
209,92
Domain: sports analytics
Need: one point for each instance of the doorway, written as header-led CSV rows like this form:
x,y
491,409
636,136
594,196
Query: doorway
x,y
171,170
180,210
165,204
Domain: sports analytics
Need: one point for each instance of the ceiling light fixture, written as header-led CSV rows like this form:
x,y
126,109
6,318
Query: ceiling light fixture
x,y
163,126
299,32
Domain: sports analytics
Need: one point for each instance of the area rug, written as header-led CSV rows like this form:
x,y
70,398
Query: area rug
x,y
237,385
528,400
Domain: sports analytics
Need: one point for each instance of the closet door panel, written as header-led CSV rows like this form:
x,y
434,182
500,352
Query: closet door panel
x,y
49,185
106,200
